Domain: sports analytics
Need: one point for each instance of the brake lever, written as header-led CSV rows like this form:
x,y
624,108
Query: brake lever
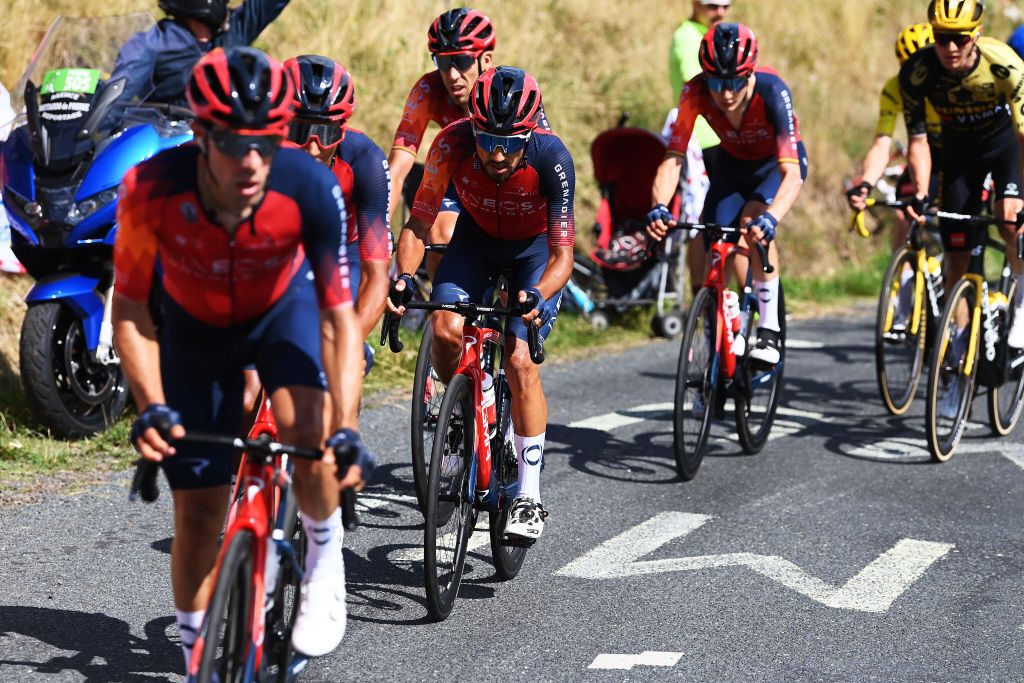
x,y
1020,246
533,338
762,251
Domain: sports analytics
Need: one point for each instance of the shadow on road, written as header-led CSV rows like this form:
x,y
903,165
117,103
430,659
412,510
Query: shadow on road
x,y
103,649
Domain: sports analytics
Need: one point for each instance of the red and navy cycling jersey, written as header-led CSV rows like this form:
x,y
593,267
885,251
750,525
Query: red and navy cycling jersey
x,y
769,126
219,278
362,171
538,197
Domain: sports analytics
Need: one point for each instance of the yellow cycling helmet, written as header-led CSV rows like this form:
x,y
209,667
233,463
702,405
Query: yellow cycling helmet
x,y
955,16
913,38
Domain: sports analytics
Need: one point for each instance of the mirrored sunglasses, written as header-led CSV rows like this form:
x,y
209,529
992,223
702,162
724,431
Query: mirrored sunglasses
x,y
236,145
508,144
462,62
325,133
716,84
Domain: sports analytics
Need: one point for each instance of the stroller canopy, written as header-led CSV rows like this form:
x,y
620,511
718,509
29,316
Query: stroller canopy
x,y
625,163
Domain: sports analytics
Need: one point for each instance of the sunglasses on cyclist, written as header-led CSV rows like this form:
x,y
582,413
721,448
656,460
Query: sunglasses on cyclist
x,y
716,84
508,144
327,134
958,39
236,145
462,62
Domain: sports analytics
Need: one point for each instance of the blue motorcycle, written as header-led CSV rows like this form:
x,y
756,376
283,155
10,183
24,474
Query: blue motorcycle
x,y
61,172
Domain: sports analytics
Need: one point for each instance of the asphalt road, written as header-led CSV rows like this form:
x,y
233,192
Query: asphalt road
x,y
840,552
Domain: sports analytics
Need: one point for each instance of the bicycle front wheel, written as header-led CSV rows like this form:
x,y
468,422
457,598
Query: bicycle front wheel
x,y
225,638
1005,401
449,513
758,398
899,349
425,407
695,386
950,389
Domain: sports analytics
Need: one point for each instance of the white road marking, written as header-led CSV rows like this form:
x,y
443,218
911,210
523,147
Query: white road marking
x,y
804,345
627,662
1014,452
873,589
376,501
606,423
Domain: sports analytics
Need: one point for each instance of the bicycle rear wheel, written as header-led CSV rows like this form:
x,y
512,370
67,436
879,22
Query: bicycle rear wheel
x,y
449,512
695,386
508,560
225,638
950,391
759,391
1006,401
425,407
899,355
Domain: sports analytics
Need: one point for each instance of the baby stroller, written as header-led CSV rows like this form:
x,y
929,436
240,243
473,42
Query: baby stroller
x,y
626,268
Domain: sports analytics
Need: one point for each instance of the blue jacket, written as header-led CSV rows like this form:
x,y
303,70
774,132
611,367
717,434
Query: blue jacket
x,y
158,62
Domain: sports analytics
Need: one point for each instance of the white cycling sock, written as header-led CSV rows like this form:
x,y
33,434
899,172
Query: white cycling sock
x,y
323,547
530,452
906,297
768,304
189,624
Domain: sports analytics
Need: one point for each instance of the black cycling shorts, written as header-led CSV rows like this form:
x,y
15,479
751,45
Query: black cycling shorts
x,y
965,164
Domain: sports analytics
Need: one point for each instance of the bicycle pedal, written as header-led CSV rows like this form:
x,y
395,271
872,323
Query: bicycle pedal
x,y
517,541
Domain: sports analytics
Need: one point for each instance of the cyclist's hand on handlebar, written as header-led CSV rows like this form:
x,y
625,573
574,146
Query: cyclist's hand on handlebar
x,y
857,195
917,207
659,221
153,429
354,460
400,294
543,311
761,229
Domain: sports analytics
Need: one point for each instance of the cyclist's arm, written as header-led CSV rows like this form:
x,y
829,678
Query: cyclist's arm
x,y
373,187
401,161
248,21
135,251
666,181
890,106
919,159
323,231
789,189
782,114
877,159
558,185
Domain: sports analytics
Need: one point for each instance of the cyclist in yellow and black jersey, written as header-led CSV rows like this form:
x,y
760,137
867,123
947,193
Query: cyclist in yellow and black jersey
x,y
890,109
976,85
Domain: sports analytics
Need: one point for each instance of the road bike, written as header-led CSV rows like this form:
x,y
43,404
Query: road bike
x,y
715,362
976,354
246,635
473,464
909,307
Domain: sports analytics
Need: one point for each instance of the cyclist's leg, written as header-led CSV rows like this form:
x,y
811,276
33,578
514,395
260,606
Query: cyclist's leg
x,y
464,275
285,344
1006,174
203,382
443,227
959,192
528,259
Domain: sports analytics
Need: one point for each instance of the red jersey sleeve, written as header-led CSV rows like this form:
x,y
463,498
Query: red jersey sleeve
x,y
135,246
417,114
437,170
691,104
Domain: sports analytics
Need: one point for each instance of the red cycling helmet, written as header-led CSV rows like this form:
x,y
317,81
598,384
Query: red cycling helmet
x,y
505,101
728,51
461,30
243,90
324,89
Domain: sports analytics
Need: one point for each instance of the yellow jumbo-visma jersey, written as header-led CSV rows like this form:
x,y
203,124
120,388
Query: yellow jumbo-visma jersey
x,y
981,103
890,108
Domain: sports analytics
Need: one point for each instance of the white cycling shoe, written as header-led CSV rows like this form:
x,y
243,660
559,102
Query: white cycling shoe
x,y
1015,337
320,623
769,347
526,519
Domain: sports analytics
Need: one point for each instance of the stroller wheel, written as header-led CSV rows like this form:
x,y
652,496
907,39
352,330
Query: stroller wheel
x,y
598,321
669,325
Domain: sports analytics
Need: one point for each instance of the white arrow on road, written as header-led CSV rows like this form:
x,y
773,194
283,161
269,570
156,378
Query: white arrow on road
x,y
873,589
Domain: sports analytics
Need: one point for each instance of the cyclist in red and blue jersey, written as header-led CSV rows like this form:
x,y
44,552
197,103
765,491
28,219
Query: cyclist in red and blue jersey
x,y
325,99
761,166
249,237
516,183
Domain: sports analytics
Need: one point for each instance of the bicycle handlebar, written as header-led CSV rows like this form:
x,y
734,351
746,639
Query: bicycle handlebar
x,y
718,231
389,327
857,222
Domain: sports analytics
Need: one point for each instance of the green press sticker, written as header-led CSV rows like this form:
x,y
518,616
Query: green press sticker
x,y
70,80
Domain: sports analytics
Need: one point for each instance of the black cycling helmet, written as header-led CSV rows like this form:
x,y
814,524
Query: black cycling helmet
x,y
213,13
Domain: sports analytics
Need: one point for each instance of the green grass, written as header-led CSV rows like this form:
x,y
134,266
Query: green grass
x,y
850,283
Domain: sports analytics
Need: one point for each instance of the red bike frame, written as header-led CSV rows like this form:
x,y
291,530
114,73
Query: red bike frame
x,y
255,498
473,340
715,280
